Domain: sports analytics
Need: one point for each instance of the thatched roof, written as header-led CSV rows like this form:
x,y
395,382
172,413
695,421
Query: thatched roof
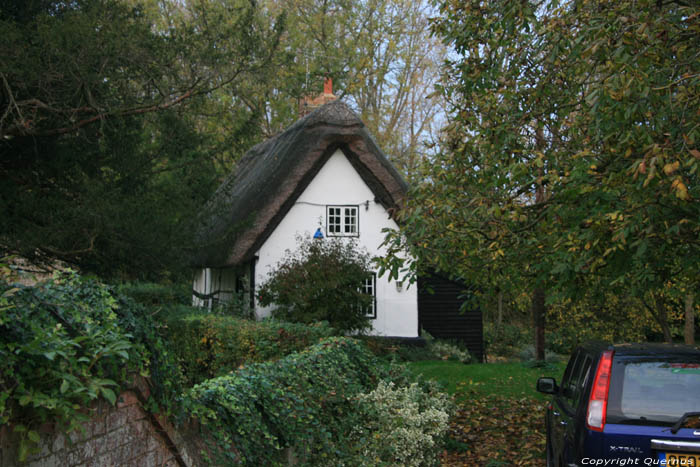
x,y
248,206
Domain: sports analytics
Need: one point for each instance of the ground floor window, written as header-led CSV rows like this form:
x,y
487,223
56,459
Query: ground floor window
x,y
369,287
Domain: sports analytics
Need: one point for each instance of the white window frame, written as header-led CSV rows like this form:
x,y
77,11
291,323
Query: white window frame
x,y
346,211
369,287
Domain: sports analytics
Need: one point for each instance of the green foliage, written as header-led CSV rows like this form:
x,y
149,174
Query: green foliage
x,y
67,342
208,344
165,375
400,425
302,402
506,340
392,350
430,349
153,294
570,163
528,356
321,281
238,305
447,350
61,347
618,319
105,141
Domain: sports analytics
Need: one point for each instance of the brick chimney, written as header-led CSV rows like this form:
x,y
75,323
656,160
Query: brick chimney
x,y
309,104
328,87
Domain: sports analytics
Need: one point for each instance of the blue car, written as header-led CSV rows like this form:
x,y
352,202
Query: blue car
x,y
627,404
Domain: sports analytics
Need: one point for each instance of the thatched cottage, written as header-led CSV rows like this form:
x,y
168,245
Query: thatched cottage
x,y
323,175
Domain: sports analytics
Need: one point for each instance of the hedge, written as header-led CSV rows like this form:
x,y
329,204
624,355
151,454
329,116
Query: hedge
x,y
152,295
208,344
301,402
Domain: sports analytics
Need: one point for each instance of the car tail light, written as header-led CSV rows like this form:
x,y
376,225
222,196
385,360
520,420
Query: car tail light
x,y
598,403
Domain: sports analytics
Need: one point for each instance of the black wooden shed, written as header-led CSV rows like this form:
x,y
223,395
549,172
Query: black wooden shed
x,y
439,313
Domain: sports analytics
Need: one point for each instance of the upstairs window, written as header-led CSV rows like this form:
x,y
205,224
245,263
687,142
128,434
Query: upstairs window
x,y
342,221
369,287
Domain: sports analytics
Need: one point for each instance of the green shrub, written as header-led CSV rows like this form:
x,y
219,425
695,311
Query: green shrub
x,y
445,350
302,402
506,340
321,281
430,349
527,354
210,344
237,305
65,343
152,294
399,425
395,349
166,379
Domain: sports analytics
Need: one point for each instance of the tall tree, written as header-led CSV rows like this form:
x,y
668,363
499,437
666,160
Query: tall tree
x,y
105,153
383,61
594,102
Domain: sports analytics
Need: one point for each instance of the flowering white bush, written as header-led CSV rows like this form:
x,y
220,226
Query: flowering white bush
x,y
400,426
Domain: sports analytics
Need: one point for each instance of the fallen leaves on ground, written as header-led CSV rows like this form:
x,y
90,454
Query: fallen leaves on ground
x,y
491,431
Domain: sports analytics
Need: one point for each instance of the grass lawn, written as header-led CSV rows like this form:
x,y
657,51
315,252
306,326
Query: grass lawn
x,y
485,379
499,419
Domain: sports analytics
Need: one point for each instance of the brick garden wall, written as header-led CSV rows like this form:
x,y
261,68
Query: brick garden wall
x,y
124,435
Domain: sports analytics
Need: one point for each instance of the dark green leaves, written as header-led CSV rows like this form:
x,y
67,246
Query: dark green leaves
x,y
321,281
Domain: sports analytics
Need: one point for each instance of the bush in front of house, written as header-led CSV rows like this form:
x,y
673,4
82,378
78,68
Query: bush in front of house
x,y
209,344
321,281
330,404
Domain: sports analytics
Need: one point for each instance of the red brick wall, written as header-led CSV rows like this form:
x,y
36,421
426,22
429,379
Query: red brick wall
x,y
124,435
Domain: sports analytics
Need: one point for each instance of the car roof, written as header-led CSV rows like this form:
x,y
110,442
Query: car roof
x,y
649,349
641,349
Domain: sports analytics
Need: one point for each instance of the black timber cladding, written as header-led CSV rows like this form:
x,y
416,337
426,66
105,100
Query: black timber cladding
x,y
439,313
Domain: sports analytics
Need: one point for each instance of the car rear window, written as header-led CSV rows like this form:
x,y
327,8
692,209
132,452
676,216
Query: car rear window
x,y
653,390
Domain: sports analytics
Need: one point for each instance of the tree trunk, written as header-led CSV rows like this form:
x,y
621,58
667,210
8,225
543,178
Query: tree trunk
x,y
499,317
689,332
662,319
538,320
538,295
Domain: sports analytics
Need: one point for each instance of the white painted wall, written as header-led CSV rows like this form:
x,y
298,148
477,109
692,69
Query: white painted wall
x,y
337,183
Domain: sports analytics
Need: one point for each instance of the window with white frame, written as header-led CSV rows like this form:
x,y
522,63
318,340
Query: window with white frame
x,y
342,221
369,287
